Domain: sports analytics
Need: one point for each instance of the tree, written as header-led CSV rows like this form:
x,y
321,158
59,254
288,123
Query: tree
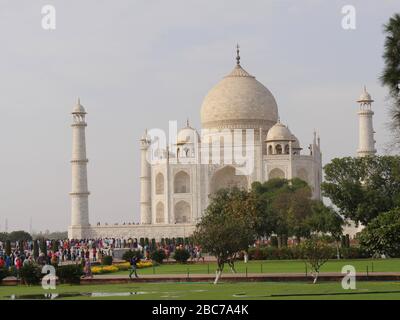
x,y
35,249
382,235
298,212
54,245
3,236
8,247
363,187
325,220
19,236
284,206
43,247
316,252
391,72
228,226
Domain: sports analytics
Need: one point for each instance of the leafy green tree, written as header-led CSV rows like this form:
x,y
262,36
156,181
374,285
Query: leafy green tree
x,y
3,236
54,246
391,73
285,206
317,252
363,187
19,236
228,226
382,235
298,212
35,249
43,247
8,247
325,220
141,242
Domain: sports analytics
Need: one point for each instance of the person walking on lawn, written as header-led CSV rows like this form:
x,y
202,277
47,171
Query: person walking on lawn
x,y
134,261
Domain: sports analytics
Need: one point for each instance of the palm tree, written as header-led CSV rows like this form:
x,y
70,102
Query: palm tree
x,y
391,73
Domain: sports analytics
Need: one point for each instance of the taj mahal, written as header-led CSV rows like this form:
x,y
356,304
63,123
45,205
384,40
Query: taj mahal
x,y
242,140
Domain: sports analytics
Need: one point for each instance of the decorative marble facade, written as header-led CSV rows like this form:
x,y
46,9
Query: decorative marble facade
x,y
176,184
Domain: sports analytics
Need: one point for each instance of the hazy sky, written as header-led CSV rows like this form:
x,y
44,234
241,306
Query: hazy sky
x,y
138,64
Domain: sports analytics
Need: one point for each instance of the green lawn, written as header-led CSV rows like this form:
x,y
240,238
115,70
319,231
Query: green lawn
x,y
224,290
275,266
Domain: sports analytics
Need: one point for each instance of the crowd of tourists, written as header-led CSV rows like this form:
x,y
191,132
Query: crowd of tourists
x,y
81,251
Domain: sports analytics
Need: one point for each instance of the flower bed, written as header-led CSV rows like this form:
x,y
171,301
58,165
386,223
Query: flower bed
x,y
120,267
104,269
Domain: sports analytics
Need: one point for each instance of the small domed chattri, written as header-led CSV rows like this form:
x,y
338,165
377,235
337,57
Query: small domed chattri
x,y
78,108
365,97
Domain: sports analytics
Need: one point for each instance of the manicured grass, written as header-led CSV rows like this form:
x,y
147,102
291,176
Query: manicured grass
x,y
228,291
274,266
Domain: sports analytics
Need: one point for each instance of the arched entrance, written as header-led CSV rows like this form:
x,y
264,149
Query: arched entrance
x,y
182,212
276,174
227,178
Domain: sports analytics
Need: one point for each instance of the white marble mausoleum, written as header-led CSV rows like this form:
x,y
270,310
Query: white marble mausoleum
x,y
176,180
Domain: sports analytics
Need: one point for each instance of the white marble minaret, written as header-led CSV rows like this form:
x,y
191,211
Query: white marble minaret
x,y
145,181
79,193
366,146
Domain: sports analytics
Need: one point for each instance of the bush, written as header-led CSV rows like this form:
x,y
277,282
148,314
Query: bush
x,y
181,255
128,255
31,274
354,253
70,273
158,256
4,273
274,241
107,260
283,253
297,253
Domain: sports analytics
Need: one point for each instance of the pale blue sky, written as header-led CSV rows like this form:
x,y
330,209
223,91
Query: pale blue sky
x,y
138,64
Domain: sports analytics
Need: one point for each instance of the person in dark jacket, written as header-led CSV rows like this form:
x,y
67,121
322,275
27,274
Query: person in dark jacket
x,y
134,261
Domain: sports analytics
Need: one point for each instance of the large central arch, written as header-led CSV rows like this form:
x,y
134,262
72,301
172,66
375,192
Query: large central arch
x,y
182,212
227,177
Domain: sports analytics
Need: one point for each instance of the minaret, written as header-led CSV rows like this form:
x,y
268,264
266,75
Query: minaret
x,y
79,193
145,181
366,146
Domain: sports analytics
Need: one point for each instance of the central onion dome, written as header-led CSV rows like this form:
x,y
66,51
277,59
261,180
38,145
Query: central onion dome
x,y
239,101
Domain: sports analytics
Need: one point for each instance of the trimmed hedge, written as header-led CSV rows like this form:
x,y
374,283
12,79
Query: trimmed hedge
x,y
4,273
69,273
31,274
158,256
181,255
354,253
296,252
107,260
